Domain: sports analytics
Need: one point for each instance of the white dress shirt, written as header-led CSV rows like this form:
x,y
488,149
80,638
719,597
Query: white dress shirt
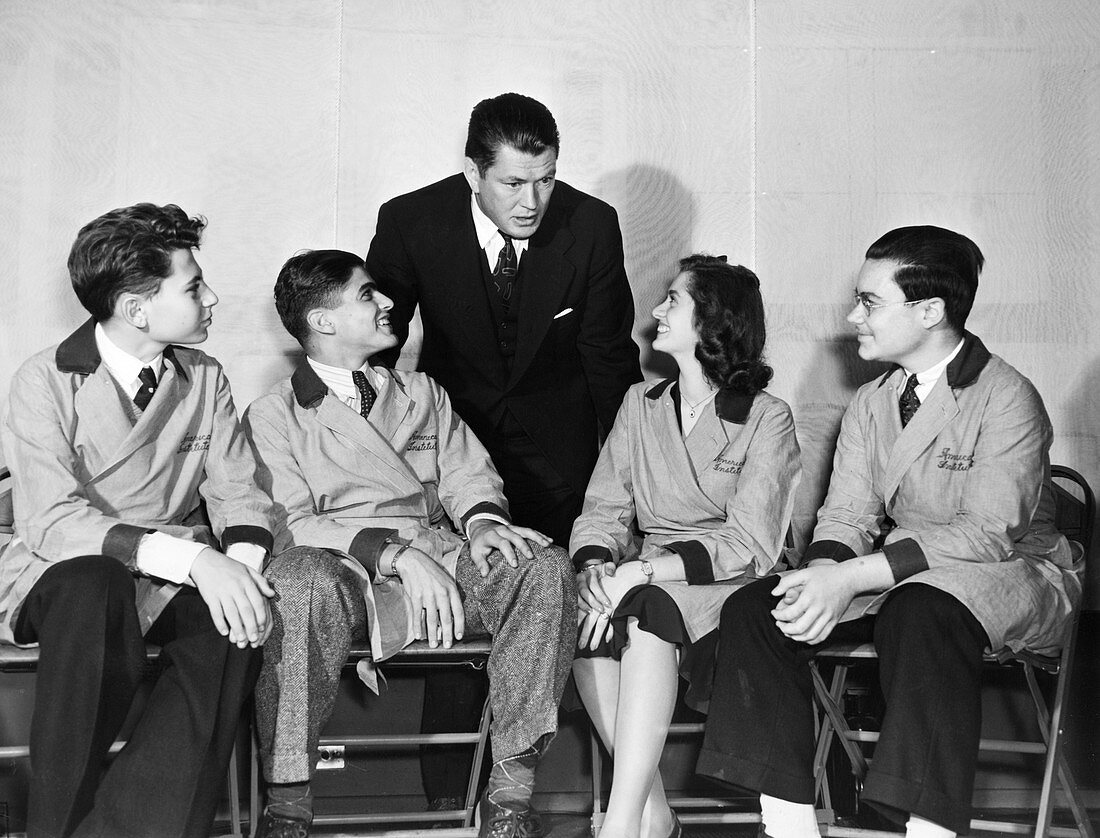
x,y
927,379
489,238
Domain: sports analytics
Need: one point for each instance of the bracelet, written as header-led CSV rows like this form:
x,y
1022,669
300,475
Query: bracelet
x,y
394,558
591,563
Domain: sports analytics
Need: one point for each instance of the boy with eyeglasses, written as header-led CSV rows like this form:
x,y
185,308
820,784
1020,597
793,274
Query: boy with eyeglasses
x,y
936,541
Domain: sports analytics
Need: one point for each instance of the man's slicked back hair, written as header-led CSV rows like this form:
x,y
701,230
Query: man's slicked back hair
x,y
308,280
510,119
934,263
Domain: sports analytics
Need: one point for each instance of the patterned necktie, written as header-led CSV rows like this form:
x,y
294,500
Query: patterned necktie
x,y
908,402
366,392
144,395
504,274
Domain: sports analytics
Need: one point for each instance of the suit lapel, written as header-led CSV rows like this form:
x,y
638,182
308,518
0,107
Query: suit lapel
x,y
347,424
391,408
910,443
457,260
545,275
99,407
172,390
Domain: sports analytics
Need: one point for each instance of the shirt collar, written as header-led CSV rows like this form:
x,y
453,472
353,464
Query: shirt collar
x,y
339,379
488,236
967,365
123,366
931,375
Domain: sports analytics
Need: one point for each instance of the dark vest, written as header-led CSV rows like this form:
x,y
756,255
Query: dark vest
x,y
505,322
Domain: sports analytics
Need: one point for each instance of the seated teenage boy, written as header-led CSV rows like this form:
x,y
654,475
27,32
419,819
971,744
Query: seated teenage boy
x,y
374,464
951,446
115,438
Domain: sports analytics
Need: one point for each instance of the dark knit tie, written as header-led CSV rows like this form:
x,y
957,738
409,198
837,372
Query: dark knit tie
x,y
908,403
144,395
366,392
504,274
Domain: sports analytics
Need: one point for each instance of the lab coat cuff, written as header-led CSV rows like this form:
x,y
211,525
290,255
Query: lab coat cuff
x,y
121,542
906,557
838,551
698,569
250,534
591,552
366,547
485,508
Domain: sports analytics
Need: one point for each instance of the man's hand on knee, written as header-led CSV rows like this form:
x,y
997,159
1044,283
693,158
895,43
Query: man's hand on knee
x,y
236,595
434,596
487,535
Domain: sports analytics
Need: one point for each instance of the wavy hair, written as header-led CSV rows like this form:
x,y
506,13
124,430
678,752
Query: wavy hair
x,y
128,251
729,317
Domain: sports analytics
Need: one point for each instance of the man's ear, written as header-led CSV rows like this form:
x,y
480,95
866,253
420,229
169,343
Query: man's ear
x,y
933,313
320,322
130,308
473,176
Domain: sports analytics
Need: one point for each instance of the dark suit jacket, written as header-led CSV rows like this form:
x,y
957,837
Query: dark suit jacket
x,y
570,372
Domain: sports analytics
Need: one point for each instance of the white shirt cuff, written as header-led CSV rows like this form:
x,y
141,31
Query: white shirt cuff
x,y
484,516
249,554
167,557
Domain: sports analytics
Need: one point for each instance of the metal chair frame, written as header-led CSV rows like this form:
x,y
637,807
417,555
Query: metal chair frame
x,y
472,653
1050,718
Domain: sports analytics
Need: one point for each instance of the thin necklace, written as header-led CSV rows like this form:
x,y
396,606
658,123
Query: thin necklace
x,y
693,407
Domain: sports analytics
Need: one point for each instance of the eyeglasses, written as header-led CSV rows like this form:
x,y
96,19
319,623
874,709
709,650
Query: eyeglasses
x,y
862,298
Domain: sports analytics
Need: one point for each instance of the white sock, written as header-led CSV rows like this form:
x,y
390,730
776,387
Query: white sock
x,y
920,828
784,819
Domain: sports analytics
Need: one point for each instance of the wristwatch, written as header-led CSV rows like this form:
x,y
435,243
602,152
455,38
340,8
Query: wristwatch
x,y
647,569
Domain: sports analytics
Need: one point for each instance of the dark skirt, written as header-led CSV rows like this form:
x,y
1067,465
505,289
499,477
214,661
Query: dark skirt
x,y
658,614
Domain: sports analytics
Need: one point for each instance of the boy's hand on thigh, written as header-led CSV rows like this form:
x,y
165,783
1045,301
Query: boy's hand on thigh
x,y
487,535
236,596
434,595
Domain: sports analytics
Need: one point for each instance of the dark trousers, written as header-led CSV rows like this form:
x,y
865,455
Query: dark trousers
x,y
453,698
166,781
760,730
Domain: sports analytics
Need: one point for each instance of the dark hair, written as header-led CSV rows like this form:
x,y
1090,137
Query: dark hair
x,y
509,119
128,251
311,279
935,263
729,317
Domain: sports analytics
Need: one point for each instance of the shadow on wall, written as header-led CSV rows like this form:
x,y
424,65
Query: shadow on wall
x,y
657,215
826,387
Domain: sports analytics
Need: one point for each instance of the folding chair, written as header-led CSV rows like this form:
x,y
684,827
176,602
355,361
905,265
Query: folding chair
x,y
1075,516
472,653
15,659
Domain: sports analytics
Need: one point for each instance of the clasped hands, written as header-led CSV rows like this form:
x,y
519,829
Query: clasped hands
x,y
433,591
600,589
814,598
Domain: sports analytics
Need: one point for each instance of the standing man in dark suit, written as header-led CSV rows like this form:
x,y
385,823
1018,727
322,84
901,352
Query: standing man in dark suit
x,y
526,307
527,317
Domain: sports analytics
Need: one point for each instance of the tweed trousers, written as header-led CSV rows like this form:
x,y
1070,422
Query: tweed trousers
x,y
529,611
